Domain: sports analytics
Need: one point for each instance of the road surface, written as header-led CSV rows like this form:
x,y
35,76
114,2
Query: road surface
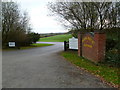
x,y
43,67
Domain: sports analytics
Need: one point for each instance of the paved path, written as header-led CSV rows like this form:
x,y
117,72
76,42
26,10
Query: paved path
x,y
43,67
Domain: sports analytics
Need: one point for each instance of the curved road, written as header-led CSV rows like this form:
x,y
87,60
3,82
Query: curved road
x,y
43,67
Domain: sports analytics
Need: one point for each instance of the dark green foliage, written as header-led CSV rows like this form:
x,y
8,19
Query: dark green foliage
x,y
33,37
110,44
113,46
113,58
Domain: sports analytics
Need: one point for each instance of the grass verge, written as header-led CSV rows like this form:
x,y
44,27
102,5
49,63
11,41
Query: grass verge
x,y
28,47
57,38
106,73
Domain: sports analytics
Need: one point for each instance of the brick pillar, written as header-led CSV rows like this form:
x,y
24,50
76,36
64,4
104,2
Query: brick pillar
x,y
80,44
100,43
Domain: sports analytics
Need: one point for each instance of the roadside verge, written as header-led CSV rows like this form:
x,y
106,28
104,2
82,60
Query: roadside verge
x,y
106,73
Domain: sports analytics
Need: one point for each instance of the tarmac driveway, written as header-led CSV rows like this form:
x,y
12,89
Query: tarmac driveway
x,y
43,67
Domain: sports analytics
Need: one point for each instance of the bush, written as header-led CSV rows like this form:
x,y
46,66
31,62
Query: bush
x,y
20,38
112,48
113,58
33,37
17,36
110,44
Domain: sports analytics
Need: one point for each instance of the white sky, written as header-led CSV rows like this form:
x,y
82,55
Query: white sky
x,y
38,13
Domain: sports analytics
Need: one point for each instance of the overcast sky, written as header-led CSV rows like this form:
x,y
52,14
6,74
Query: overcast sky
x,y
39,16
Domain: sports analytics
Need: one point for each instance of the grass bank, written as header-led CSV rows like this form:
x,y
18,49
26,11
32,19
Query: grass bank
x,y
57,38
105,72
31,46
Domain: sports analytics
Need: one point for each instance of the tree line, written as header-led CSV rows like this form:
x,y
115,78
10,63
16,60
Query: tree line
x,y
16,26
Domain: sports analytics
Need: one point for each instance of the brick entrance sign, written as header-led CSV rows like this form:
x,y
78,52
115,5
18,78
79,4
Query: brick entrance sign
x,y
92,46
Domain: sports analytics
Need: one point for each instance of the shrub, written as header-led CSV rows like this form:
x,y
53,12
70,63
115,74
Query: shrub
x,y
17,36
112,51
33,37
110,44
113,58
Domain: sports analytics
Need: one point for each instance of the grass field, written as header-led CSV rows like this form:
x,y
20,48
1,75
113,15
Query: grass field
x,y
109,74
28,47
57,38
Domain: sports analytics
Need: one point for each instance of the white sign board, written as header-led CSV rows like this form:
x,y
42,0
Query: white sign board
x,y
73,43
11,44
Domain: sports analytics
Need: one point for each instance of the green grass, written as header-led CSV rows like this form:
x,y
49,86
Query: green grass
x,y
28,47
57,38
110,74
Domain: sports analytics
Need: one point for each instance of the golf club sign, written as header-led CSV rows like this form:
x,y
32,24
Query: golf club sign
x,y
89,42
92,46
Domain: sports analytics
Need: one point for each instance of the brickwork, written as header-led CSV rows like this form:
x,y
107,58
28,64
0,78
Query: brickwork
x,y
92,47
79,44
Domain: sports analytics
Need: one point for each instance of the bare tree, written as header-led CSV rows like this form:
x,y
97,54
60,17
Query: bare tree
x,y
10,14
114,15
88,15
102,9
14,23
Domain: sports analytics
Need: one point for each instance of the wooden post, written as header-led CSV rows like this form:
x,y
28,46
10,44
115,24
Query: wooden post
x,y
65,46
